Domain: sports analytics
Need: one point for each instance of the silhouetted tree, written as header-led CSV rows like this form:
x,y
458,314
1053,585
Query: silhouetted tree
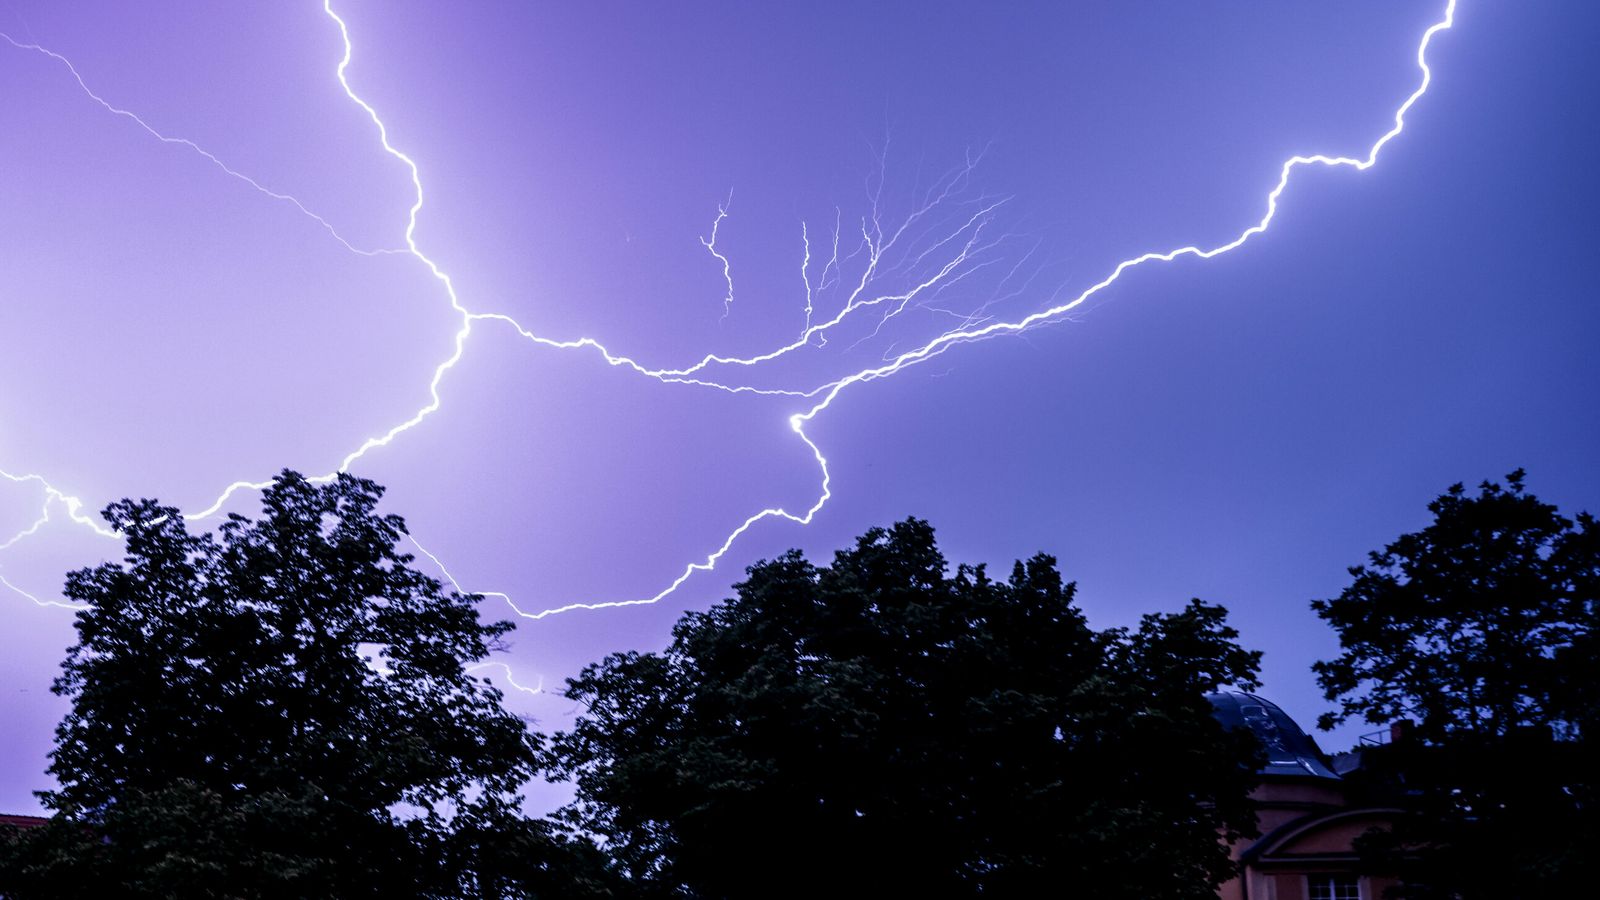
x,y
1481,627
282,709
882,727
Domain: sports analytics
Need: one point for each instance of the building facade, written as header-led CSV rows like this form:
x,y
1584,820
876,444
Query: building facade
x,y
1308,824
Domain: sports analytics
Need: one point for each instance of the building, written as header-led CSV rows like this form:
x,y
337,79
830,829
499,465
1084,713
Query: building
x,y
1308,824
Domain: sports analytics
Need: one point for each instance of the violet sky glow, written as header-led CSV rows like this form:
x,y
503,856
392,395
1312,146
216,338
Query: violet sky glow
x,y
1239,428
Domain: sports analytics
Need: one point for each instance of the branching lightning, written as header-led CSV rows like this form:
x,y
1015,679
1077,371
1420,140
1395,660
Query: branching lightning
x,y
510,677
191,145
949,339
930,250
711,247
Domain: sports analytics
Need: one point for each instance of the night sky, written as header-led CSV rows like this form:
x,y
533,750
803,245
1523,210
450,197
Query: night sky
x,y
190,299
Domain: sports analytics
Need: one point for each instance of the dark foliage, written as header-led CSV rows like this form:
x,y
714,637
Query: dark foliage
x,y
231,734
1481,626
880,727
1481,623
1510,817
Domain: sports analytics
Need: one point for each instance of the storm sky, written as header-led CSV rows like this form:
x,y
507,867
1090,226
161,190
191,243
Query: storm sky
x,y
191,298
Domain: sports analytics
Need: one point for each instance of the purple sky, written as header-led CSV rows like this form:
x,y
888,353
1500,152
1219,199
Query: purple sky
x,y
1240,428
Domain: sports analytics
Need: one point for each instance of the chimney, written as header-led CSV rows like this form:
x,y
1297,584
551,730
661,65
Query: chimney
x,y
1400,731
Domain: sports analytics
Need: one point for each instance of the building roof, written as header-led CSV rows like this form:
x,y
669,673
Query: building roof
x,y
21,821
1290,751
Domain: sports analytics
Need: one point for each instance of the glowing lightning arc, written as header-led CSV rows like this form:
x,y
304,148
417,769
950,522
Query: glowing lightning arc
x,y
939,345
876,243
185,142
511,678
711,247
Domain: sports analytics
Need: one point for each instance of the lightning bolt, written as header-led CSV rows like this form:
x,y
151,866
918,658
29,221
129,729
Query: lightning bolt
x,y
711,247
191,145
937,346
52,496
510,676
968,251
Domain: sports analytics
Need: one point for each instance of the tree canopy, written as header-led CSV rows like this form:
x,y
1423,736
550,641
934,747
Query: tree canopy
x,y
283,709
1481,627
883,726
1481,623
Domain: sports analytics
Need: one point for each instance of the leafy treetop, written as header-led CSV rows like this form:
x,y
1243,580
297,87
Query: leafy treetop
x,y
283,709
883,725
1481,623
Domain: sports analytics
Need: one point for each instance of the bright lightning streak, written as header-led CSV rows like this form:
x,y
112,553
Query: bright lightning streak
x,y
58,604
468,317
72,505
876,243
452,579
510,677
31,530
877,248
711,246
939,345
944,341
873,237
435,401
52,497
184,142
805,273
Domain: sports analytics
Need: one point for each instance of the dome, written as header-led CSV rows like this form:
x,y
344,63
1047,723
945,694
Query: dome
x,y
1290,751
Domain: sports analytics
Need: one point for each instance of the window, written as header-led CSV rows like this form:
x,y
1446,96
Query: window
x,y
1333,887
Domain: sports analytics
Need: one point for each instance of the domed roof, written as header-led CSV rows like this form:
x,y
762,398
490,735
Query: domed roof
x,y
1290,751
